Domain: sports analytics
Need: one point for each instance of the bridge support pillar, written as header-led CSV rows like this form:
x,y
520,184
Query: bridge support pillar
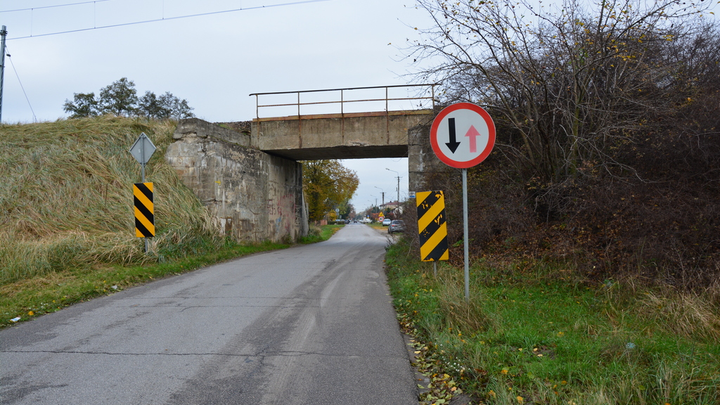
x,y
251,195
423,165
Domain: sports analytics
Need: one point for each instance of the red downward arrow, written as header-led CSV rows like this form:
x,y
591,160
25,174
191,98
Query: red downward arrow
x,y
473,133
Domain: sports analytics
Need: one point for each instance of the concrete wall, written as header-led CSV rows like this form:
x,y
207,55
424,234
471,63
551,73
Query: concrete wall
x,y
252,195
422,161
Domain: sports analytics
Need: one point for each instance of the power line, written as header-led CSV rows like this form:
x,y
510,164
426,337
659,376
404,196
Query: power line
x,y
55,6
22,87
170,18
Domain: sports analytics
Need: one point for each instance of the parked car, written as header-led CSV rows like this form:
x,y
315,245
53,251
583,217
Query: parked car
x,y
396,226
387,221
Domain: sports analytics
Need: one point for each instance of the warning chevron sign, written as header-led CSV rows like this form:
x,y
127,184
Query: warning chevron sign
x,y
432,226
144,210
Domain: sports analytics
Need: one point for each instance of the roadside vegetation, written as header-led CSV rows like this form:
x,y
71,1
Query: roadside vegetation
x,y
607,117
537,332
319,233
66,193
593,227
67,221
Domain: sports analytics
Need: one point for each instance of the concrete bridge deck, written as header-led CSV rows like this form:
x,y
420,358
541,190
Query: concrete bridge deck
x,y
367,122
338,136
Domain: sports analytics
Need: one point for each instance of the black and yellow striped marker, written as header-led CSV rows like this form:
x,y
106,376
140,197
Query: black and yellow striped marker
x,y
432,226
144,210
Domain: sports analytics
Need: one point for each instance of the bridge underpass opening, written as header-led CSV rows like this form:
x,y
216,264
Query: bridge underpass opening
x,y
379,181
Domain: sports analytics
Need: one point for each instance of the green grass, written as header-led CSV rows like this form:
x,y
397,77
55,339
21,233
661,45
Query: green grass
x,y
535,332
320,233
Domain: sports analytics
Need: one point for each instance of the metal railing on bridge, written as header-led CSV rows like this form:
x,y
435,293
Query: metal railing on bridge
x,y
347,100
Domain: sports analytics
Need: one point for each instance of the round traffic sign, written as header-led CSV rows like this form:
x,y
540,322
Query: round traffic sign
x,y
462,135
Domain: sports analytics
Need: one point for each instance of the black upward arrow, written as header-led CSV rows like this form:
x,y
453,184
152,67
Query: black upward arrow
x,y
453,144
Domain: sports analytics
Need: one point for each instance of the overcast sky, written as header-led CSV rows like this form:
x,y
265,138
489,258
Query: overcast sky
x,y
214,61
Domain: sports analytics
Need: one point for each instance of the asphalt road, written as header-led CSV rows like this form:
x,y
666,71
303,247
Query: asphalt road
x,y
307,325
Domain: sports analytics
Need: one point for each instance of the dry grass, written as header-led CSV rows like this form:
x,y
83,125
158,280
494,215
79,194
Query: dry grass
x,y
461,314
688,315
66,194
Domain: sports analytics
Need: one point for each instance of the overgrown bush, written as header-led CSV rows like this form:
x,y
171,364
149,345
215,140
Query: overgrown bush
x,y
607,116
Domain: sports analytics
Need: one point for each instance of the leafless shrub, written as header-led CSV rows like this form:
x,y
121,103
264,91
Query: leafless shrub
x,y
607,118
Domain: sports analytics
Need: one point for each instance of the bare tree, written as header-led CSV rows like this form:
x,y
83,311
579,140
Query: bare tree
x,y
569,85
608,119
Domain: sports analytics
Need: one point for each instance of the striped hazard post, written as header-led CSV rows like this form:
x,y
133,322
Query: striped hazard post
x,y
432,226
144,210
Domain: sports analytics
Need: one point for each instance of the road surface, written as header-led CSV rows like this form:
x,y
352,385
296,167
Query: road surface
x,y
307,325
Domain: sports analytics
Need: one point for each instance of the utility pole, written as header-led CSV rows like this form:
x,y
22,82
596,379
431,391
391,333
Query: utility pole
x,y
383,195
3,34
398,186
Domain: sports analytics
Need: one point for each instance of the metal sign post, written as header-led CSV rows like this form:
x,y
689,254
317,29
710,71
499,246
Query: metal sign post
x,y
476,139
142,150
466,240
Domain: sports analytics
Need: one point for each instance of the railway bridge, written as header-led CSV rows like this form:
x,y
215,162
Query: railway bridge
x,y
249,175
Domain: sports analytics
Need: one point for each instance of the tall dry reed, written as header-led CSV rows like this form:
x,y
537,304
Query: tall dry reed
x,y
66,193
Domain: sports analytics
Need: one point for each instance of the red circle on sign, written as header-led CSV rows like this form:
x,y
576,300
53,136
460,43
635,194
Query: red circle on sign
x,y
443,155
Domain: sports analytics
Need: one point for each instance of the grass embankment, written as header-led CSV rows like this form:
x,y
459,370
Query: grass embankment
x,y
67,221
536,333
66,193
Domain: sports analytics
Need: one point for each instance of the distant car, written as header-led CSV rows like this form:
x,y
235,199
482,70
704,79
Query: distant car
x,y
396,226
387,221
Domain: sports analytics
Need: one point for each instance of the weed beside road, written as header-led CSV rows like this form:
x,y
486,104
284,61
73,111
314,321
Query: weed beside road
x,y
534,332
319,233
